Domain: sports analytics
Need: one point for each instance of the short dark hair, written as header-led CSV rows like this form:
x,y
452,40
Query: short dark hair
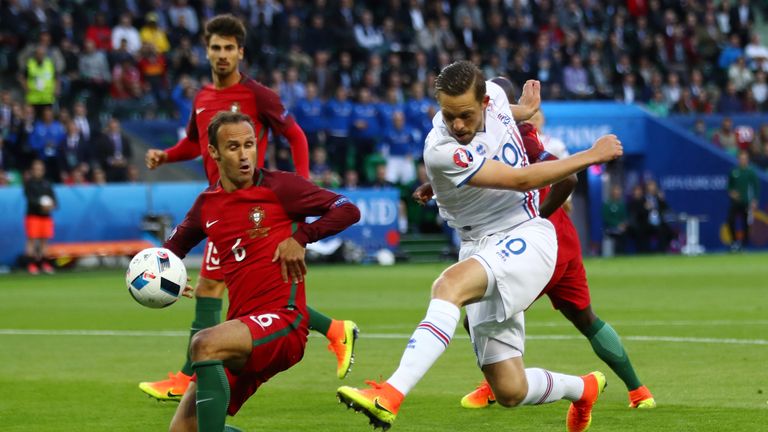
x,y
225,25
507,86
458,77
221,118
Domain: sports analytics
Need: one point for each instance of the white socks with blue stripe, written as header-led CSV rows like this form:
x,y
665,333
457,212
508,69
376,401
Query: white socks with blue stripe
x,y
545,387
427,344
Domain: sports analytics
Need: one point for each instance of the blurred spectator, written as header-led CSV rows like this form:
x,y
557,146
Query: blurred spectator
x,y
756,53
730,53
99,176
400,147
7,162
80,117
320,172
99,33
181,15
380,177
94,75
309,114
658,228
700,129
338,115
114,152
367,35
615,218
154,70
351,179
292,89
74,153
366,127
183,95
153,34
761,158
725,136
743,190
741,18
760,89
67,30
126,31
739,75
39,80
729,102
41,201
44,141
658,104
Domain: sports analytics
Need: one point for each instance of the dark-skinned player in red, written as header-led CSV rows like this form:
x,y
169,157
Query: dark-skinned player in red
x,y
232,91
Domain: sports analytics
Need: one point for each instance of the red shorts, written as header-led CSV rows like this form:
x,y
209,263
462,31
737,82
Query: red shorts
x,y
39,227
211,268
279,337
568,285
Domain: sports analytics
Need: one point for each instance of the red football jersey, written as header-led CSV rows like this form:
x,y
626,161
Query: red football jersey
x,y
246,226
250,97
567,237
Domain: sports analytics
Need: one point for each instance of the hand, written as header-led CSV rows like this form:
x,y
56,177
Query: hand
x,y
606,149
291,256
188,292
530,100
154,158
423,193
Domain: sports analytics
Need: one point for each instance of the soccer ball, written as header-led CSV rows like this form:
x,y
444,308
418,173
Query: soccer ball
x,y
156,277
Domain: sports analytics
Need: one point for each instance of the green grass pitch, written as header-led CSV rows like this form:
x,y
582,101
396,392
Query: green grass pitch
x,y
74,346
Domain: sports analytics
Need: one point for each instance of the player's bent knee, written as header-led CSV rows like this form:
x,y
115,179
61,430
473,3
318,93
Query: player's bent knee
x,y
203,346
445,288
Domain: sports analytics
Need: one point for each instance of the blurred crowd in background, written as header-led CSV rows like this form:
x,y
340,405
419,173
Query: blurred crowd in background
x,y
357,74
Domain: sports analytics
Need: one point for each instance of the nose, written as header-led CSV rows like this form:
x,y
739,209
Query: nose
x,y
458,125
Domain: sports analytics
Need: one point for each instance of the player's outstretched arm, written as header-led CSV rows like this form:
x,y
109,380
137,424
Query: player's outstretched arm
x,y
497,175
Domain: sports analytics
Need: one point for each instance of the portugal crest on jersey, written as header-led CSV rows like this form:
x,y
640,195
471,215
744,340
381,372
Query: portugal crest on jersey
x,y
235,107
462,158
257,217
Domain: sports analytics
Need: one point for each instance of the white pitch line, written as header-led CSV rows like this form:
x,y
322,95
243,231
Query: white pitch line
x,y
171,333
660,323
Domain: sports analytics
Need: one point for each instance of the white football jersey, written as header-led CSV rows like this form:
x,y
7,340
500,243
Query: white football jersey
x,y
477,212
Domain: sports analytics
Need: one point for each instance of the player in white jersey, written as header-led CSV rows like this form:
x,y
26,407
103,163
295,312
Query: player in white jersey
x,y
480,175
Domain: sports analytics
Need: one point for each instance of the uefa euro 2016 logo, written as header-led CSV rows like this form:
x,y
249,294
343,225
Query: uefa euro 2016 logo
x,y
462,158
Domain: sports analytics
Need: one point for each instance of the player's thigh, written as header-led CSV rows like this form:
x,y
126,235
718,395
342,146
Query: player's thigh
x,y
520,262
185,417
462,283
229,341
570,290
507,379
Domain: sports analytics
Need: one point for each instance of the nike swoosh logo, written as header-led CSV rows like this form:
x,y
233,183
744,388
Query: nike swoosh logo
x,y
199,401
210,224
199,110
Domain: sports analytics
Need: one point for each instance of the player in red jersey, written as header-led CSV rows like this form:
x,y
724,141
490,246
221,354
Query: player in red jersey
x,y
257,219
232,91
568,289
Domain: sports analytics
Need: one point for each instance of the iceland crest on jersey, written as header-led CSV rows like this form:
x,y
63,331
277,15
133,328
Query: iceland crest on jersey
x,y
462,158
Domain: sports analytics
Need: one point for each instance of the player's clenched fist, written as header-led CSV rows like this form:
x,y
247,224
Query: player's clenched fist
x,y
154,158
607,148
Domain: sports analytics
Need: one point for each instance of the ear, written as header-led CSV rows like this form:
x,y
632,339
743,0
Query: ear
x,y
214,152
240,53
486,101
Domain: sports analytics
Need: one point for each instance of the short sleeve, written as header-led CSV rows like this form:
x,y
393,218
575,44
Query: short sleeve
x,y
456,162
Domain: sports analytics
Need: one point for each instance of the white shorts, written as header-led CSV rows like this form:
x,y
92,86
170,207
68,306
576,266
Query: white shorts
x,y
400,170
519,263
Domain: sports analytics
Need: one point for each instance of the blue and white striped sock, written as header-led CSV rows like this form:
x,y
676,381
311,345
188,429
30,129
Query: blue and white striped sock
x,y
426,345
545,387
